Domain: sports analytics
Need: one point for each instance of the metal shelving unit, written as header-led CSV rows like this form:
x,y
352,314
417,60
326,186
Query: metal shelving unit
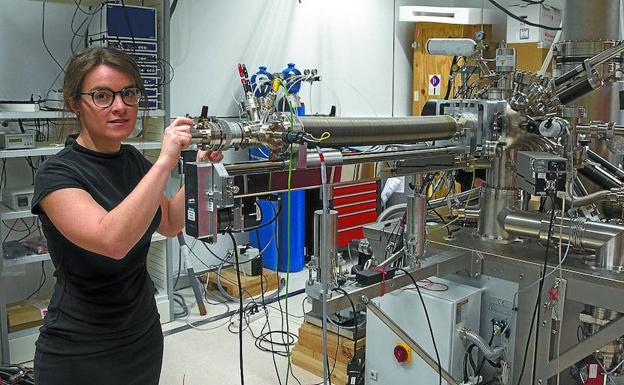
x,y
18,346
44,114
47,149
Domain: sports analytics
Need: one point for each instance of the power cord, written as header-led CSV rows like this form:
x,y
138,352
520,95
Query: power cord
x,y
422,301
525,21
536,313
241,309
354,368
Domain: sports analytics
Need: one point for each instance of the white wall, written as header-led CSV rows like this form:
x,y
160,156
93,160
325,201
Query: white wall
x,y
25,66
348,41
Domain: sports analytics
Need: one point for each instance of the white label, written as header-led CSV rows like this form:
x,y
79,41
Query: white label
x,y
505,60
210,206
416,96
524,34
190,214
593,371
435,85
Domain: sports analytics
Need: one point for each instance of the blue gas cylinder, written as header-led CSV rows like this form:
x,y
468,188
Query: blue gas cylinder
x,y
265,238
261,82
291,78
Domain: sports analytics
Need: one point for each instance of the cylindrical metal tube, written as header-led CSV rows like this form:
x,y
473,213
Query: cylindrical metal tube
x,y
589,27
242,168
605,238
375,131
591,20
601,177
580,89
613,169
328,238
331,157
588,199
492,202
451,47
492,354
416,235
433,204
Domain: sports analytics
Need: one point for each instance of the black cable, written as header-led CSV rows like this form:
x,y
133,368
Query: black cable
x,y
266,312
165,82
240,314
127,18
449,83
422,301
541,284
179,299
264,306
277,214
172,9
536,313
355,329
355,322
525,21
45,45
42,281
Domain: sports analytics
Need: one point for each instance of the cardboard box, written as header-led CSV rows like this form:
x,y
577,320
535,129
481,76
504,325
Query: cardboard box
x,y
27,314
519,32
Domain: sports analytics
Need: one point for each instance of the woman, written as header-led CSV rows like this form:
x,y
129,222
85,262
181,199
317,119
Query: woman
x,y
99,203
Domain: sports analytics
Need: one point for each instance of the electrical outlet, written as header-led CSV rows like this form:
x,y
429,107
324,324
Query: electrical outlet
x,y
372,374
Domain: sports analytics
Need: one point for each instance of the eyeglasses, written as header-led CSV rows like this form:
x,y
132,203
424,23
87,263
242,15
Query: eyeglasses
x,y
104,98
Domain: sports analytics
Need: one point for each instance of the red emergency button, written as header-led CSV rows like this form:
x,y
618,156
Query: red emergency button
x,y
402,353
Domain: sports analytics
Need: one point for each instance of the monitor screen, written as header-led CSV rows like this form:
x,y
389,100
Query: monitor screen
x,y
131,22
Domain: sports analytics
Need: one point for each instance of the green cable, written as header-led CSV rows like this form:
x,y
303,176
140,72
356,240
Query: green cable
x,y
288,252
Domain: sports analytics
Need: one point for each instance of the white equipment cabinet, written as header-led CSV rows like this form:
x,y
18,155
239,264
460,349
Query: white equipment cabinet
x,y
458,307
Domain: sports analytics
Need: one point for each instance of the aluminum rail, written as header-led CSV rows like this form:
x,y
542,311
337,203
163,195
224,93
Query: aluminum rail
x,y
600,128
379,131
244,168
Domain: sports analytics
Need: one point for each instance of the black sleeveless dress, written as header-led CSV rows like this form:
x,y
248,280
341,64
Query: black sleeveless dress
x,y
102,325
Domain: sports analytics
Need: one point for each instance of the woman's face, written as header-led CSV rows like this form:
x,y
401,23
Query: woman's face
x,y
112,124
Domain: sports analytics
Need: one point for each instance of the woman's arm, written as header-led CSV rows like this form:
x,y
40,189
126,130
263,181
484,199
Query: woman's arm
x,y
113,233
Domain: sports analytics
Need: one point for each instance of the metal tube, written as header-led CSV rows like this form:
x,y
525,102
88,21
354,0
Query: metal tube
x,y
416,234
243,168
606,239
601,177
433,204
403,336
613,169
492,354
587,199
591,20
326,238
376,131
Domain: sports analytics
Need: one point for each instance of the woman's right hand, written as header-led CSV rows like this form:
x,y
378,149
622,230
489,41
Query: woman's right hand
x,y
176,138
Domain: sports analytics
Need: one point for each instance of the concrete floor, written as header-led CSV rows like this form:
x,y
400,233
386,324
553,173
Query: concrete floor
x,y
209,354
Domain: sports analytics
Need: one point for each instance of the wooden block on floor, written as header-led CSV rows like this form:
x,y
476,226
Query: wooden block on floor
x,y
310,361
340,348
251,285
308,352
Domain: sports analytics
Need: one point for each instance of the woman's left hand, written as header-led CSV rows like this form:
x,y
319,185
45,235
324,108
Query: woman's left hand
x,y
211,156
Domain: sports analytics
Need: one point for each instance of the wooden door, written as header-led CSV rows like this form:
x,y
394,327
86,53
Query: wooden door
x,y
426,66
